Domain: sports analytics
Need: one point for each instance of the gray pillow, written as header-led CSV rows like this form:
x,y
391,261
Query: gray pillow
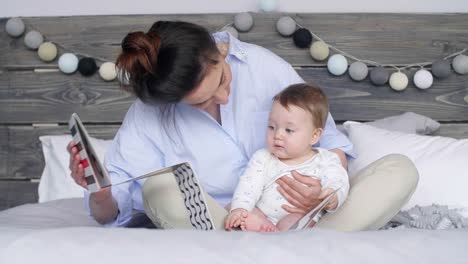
x,y
408,122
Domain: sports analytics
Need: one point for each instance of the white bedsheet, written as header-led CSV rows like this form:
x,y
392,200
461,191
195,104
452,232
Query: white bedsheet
x,y
61,232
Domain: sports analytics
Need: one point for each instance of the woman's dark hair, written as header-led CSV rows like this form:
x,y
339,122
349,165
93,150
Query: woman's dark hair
x,y
167,62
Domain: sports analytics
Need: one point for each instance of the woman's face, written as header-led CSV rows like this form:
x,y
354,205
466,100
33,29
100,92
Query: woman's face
x,y
213,89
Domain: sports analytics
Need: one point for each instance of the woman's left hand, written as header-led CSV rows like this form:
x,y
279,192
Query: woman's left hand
x,y
303,192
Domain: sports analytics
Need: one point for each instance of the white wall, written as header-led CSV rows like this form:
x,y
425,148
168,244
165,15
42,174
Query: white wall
x,y
10,8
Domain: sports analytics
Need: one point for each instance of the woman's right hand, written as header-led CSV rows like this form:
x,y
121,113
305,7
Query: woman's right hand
x,y
77,173
77,170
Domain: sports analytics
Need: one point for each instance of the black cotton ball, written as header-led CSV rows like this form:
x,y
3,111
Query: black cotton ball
x,y
87,66
302,38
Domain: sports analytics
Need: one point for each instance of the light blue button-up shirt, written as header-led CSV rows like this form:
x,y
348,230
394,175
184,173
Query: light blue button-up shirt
x,y
218,153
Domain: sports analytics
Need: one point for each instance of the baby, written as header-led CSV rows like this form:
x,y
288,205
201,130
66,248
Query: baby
x,y
297,118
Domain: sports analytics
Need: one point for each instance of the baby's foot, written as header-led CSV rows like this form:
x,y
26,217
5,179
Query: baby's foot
x,y
257,223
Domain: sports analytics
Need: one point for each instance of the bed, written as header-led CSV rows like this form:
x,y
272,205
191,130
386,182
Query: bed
x,y
36,101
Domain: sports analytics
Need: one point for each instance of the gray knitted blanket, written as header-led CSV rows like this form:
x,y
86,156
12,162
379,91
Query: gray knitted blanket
x,y
430,217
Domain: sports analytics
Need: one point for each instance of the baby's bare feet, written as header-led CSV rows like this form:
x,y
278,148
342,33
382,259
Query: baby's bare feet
x,y
256,223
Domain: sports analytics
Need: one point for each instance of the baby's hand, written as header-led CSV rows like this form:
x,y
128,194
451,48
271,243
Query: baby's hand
x,y
234,218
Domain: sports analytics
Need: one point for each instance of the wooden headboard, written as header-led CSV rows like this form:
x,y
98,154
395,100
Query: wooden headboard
x,y
35,101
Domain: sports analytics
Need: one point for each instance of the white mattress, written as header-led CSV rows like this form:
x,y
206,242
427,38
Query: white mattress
x,y
61,232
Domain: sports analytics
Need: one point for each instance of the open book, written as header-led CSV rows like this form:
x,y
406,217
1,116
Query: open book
x,y
97,177
188,185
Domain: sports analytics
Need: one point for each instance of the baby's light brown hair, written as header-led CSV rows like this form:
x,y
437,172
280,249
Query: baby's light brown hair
x,y
308,97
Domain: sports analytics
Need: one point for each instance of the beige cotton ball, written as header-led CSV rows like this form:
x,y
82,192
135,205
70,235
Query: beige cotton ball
x,y
47,51
319,50
398,81
107,71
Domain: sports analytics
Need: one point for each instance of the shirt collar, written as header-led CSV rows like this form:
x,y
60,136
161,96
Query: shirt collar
x,y
235,46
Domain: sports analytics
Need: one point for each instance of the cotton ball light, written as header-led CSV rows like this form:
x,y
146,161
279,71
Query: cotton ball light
x,y
243,22
232,31
107,71
398,81
68,63
441,69
286,26
47,51
33,39
267,5
358,71
319,50
302,38
14,27
337,64
379,76
460,64
87,66
423,79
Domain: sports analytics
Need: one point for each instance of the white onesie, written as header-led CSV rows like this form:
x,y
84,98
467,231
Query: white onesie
x,y
257,186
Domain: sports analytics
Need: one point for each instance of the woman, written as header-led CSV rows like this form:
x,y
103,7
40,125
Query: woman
x,y
203,99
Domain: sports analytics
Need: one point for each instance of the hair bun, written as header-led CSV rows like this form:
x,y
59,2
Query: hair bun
x,y
139,54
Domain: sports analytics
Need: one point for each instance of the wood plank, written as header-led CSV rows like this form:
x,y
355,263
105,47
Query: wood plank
x,y
446,100
14,193
4,139
386,38
24,158
459,131
28,97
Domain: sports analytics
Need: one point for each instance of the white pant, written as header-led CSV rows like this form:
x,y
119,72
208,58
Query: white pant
x,y
376,195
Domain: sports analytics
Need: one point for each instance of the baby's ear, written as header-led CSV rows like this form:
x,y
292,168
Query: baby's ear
x,y
316,136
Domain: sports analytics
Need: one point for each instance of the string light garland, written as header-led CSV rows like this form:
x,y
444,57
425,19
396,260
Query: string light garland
x,y
380,75
68,62
337,64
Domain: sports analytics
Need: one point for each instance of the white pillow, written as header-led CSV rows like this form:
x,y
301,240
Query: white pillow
x,y
442,162
56,182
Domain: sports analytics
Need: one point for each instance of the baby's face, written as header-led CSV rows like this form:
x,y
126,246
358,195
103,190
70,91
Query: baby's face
x,y
290,132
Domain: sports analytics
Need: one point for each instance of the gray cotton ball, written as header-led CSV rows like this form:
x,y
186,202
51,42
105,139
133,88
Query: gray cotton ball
x,y
441,69
243,22
286,26
358,71
14,27
379,76
460,64
33,39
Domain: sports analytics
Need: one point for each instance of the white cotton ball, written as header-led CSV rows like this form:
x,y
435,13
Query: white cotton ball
x,y
68,63
337,64
460,64
267,5
423,79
